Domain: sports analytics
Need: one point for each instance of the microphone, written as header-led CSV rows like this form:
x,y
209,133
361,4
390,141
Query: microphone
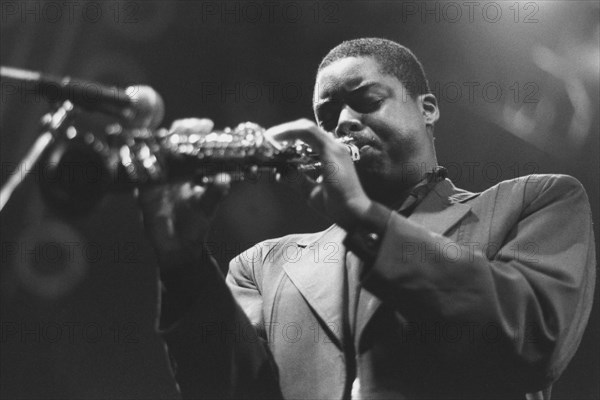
x,y
136,106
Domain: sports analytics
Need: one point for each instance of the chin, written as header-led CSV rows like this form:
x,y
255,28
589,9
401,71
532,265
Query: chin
x,y
372,172
376,175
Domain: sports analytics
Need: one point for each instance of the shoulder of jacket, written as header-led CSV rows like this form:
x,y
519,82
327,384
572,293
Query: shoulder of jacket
x,y
541,183
267,248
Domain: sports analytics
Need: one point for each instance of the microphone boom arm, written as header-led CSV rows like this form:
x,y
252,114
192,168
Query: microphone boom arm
x,y
52,123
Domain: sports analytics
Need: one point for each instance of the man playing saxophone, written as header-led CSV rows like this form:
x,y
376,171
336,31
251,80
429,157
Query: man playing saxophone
x,y
415,259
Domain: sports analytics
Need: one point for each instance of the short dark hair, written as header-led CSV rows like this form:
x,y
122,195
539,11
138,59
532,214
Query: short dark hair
x,y
393,58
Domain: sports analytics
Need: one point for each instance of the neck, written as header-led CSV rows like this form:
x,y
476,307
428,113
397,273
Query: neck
x,y
385,192
391,191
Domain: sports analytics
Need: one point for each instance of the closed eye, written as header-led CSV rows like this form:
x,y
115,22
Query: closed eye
x,y
368,106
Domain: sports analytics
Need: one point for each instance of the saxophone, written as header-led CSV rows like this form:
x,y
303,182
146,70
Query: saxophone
x,y
240,151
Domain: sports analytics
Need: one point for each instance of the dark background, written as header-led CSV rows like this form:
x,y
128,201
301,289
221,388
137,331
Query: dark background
x,y
78,293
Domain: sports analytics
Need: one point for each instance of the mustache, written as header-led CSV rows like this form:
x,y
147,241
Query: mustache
x,y
363,138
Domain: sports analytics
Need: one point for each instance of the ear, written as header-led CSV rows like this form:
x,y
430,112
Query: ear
x,y
429,107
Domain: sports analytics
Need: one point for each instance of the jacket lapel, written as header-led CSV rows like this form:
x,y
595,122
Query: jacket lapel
x,y
318,273
439,211
442,208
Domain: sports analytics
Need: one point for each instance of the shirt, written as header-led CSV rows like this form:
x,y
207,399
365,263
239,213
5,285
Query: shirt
x,y
354,297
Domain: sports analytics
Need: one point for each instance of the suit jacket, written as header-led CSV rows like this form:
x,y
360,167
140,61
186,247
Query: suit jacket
x,y
474,296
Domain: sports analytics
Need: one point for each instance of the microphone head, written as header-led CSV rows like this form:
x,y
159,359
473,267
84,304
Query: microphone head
x,y
147,107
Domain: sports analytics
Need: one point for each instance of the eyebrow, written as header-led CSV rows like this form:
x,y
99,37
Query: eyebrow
x,y
361,88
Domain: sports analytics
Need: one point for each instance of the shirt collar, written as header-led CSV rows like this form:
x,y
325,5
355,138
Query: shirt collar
x,y
421,189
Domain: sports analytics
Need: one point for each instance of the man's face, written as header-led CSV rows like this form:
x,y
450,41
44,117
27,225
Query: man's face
x,y
354,98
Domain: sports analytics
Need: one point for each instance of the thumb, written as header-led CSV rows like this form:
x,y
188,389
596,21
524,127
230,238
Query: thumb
x,y
298,181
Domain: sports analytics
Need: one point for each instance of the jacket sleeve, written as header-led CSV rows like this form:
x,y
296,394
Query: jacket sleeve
x,y
522,308
215,350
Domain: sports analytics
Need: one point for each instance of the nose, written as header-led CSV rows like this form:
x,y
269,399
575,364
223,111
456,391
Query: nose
x,y
348,122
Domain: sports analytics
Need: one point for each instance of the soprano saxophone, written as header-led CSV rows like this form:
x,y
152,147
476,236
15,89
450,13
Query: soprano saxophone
x,y
239,151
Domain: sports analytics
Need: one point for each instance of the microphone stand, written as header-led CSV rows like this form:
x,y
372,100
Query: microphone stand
x,y
51,125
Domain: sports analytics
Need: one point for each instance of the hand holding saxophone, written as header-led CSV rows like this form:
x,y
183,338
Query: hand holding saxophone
x,y
177,215
337,192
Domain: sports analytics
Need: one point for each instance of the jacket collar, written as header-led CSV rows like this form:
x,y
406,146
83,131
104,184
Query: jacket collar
x,y
443,207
